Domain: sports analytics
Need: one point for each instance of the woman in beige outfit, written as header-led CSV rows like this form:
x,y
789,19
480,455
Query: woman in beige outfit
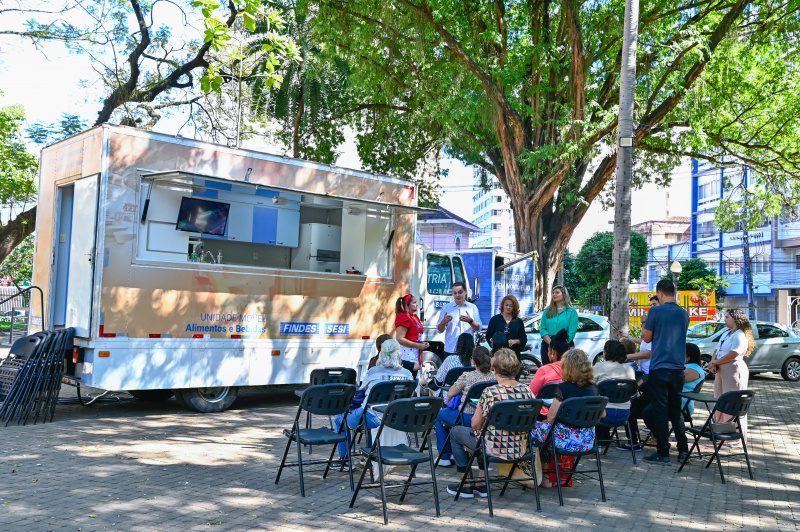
x,y
729,368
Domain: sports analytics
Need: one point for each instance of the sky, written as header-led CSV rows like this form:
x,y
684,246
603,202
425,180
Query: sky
x,y
50,81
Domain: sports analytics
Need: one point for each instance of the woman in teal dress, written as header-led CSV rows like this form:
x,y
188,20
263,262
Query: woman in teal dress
x,y
558,315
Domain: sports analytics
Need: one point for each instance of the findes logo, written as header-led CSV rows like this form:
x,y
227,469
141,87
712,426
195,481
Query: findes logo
x,y
299,328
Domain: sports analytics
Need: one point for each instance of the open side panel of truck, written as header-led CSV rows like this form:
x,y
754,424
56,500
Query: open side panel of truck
x,y
74,255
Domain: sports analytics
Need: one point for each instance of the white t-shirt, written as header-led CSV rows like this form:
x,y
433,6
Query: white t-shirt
x,y
613,370
732,341
456,327
644,364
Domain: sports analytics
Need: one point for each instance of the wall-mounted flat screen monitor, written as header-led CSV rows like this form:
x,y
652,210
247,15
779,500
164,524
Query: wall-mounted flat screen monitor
x,y
203,216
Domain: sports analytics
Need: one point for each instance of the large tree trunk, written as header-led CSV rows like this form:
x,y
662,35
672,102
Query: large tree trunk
x,y
15,232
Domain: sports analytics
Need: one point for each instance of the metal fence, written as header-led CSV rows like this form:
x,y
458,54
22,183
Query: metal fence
x,y
13,314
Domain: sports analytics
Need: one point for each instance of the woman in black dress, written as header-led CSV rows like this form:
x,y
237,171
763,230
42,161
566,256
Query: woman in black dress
x,y
509,324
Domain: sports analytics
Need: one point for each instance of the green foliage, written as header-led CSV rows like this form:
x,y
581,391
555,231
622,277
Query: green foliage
x,y
697,275
274,47
17,166
593,263
573,282
19,264
66,126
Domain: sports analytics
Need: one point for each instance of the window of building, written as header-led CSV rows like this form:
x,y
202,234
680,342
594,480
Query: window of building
x,y
458,243
708,191
797,262
706,229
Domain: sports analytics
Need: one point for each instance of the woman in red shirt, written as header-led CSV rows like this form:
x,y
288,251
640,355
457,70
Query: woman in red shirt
x,y
408,330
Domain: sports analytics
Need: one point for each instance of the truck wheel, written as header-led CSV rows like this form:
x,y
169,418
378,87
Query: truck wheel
x,y
153,396
791,369
208,400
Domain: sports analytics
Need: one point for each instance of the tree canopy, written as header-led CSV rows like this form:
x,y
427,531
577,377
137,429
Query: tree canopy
x,y
593,263
529,91
697,275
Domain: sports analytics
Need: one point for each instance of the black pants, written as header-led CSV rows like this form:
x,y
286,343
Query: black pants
x,y
664,387
638,405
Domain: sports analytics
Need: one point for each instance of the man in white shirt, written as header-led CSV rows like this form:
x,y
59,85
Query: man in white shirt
x,y
457,317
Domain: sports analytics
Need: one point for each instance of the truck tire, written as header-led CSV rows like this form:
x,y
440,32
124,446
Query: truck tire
x,y
208,400
791,369
153,396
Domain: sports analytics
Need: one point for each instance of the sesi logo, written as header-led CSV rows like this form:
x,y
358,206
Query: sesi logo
x,y
337,328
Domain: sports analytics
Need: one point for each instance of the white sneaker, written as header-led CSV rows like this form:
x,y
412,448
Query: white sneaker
x,y
445,463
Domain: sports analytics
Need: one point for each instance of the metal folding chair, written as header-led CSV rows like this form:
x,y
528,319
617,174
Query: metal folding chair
x,y
381,392
516,416
735,404
415,415
450,378
325,400
474,392
617,391
578,412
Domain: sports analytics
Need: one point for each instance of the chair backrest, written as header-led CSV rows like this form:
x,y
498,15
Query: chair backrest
x,y
454,373
617,390
26,346
475,391
388,391
333,376
518,415
735,403
581,412
548,391
416,414
328,399
699,386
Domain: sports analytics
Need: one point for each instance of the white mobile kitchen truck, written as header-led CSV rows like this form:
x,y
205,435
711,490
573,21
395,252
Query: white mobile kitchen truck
x,y
195,268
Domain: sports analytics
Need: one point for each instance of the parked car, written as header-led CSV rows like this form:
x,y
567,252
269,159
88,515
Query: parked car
x,y
777,347
593,332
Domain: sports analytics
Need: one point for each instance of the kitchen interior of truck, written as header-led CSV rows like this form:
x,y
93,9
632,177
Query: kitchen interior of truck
x,y
215,222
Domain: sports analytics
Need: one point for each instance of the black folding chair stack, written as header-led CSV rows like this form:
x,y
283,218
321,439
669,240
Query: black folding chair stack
x,y
324,400
517,417
38,382
380,393
21,350
474,392
617,391
417,415
735,404
580,413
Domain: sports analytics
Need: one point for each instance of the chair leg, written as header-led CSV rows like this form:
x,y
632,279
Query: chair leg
x,y
630,442
383,488
558,474
716,456
368,465
414,468
349,459
484,457
468,472
330,459
695,444
508,478
534,478
285,454
433,479
300,466
747,459
599,474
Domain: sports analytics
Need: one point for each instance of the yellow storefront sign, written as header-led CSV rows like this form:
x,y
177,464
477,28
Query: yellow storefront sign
x,y
701,307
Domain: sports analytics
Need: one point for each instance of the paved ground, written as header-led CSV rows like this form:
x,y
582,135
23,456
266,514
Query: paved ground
x,y
138,466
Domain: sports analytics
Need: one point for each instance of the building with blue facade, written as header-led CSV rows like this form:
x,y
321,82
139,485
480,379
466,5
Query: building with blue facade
x,y
724,251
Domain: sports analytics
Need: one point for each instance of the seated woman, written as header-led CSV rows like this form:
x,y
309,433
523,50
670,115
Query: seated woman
x,y
462,358
578,382
693,374
482,361
615,366
499,443
550,372
389,367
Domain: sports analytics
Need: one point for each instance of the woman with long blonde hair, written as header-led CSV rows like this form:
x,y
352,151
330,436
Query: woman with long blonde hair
x,y
729,368
558,315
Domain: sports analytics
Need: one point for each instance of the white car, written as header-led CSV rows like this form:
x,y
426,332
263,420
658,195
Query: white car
x,y
593,332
